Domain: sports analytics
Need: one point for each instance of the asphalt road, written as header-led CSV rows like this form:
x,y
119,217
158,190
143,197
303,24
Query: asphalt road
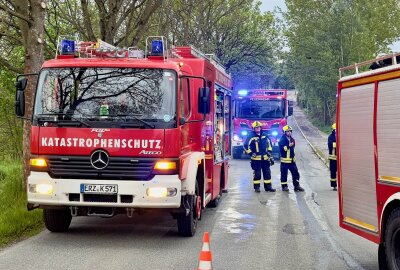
x,y
248,231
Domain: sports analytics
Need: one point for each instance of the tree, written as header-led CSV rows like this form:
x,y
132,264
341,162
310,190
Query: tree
x,y
119,22
26,19
235,31
326,35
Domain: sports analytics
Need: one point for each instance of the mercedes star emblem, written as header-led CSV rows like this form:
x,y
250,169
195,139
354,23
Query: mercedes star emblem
x,y
99,159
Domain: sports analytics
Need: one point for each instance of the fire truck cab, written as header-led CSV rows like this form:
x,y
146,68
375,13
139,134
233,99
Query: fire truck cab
x,y
121,130
368,125
269,106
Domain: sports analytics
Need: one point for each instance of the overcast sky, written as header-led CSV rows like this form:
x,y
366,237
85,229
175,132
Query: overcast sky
x,y
269,5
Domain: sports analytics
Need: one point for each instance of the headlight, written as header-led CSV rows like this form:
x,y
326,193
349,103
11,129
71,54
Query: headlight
x,y
160,192
244,132
45,189
274,133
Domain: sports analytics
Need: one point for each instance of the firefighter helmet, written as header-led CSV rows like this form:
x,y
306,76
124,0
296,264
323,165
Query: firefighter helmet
x,y
334,126
256,124
287,128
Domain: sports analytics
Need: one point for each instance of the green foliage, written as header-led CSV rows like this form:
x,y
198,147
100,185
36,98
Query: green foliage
x,y
10,126
326,35
235,31
15,221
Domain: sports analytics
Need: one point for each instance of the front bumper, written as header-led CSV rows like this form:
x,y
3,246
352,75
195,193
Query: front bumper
x,y
62,188
236,144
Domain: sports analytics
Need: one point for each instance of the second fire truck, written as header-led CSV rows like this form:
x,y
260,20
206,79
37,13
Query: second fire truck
x,y
269,106
121,130
368,124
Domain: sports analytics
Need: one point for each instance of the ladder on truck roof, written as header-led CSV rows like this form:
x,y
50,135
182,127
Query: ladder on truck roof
x,y
192,52
379,62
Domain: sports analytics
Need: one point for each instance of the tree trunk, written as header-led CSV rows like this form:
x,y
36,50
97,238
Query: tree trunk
x,y
32,36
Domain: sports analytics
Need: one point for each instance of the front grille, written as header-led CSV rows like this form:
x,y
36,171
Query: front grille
x,y
119,168
75,197
126,198
100,198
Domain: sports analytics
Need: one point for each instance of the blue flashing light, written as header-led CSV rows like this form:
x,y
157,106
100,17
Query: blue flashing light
x,y
67,46
244,133
242,92
157,47
274,133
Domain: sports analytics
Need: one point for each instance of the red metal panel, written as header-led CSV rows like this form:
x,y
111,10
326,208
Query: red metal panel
x,y
118,142
339,174
364,234
376,155
35,140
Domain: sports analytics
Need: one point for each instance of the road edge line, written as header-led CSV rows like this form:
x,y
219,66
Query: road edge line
x,y
314,148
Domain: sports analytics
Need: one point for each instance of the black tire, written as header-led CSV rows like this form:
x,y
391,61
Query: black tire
x,y
187,224
57,220
214,203
382,257
392,240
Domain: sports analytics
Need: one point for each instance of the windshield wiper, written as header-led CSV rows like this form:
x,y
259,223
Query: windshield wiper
x,y
62,114
128,117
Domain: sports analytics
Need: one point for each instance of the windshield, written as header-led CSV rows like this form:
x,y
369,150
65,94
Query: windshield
x,y
107,94
260,108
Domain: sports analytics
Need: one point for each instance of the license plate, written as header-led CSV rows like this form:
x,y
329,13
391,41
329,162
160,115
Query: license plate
x,y
99,189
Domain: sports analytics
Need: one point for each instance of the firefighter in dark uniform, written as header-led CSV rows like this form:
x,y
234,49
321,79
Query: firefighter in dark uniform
x,y
259,147
288,161
332,156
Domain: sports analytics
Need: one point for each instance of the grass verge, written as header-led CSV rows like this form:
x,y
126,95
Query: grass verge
x,y
327,129
16,222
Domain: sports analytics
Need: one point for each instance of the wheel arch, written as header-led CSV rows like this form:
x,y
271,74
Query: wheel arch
x,y
191,165
391,204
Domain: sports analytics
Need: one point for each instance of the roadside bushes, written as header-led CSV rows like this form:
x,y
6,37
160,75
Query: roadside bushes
x,y
15,221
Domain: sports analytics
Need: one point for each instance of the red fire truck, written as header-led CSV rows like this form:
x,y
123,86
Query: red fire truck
x,y
368,125
269,106
121,130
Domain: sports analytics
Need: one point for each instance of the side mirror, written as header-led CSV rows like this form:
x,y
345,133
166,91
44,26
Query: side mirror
x,y
290,108
204,100
20,86
21,83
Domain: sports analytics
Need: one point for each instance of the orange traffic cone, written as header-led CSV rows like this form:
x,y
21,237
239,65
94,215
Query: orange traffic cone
x,y
205,260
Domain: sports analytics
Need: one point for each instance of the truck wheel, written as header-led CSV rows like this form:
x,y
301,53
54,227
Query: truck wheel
x,y
382,257
187,224
57,220
392,240
214,203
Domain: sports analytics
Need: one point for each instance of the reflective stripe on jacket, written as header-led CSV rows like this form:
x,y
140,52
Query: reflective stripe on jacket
x,y
258,144
332,145
287,152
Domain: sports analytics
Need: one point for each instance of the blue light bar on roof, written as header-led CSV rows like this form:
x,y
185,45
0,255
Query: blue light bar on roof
x,y
67,46
157,47
242,92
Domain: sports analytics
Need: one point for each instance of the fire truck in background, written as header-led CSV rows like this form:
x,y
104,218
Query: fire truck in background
x,y
120,130
368,124
269,106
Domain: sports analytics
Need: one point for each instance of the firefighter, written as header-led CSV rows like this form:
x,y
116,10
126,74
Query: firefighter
x,y
332,156
288,161
259,147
